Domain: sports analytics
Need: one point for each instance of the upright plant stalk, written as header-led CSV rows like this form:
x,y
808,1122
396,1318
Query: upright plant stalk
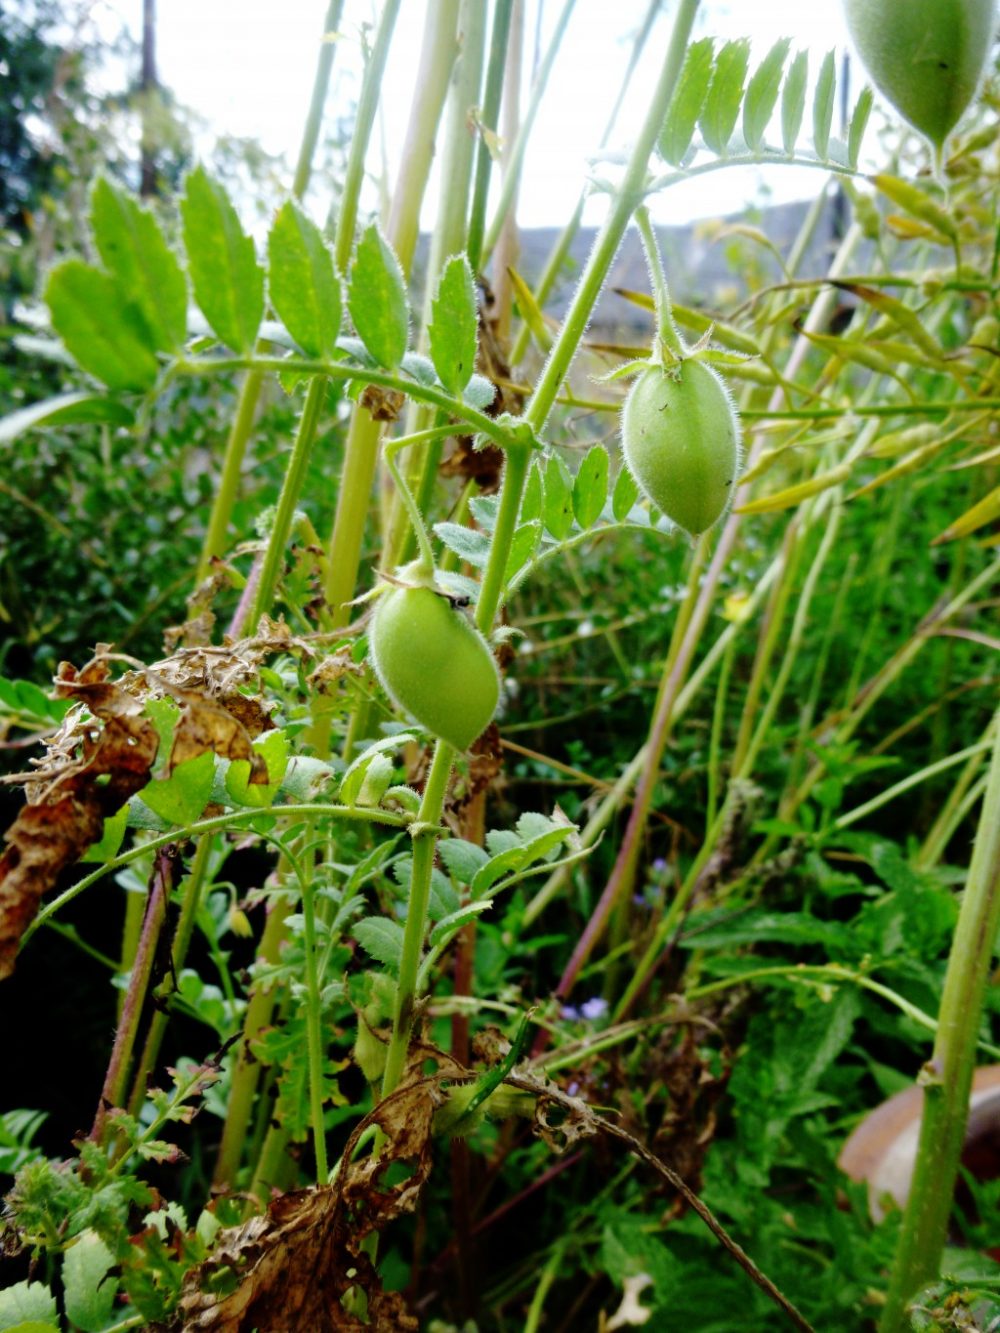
x,y
246,1067
950,814
246,410
321,83
354,175
232,466
193,892
291,489
424,847
519,452
295,473
771,625
488,122
947,1077
557,257
449,238
361,448
512,163
505,251
437,56
298,463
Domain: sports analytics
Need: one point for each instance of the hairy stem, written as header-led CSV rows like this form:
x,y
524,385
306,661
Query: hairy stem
x,y
291,490
947,1077
116,1078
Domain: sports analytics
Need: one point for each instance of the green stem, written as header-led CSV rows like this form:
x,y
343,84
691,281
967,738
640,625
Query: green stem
x,y
424,847
768,156
557,257
909,782
353,495
403,490
182,941
488,122
715,741
361,448
947,1078
437,56
513,159
435,791
314,1017
550,1272
449,238
291,489
314,119
246,1068
795,639
371,87
770,631
232,466
609,238
951,814
239,434
514,477
666,330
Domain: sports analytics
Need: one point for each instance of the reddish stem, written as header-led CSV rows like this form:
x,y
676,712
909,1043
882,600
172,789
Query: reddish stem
x,y
161,883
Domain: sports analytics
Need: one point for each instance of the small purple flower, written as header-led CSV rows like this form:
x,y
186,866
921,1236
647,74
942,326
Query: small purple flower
x,y
594,1009
569,1013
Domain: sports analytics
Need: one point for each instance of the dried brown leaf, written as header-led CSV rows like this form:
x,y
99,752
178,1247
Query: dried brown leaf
x,y
53,832
382,404
298,1261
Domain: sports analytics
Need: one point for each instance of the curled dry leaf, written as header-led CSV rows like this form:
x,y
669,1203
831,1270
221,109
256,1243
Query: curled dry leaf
x,y
103,752
332,668
69,808
382,404
295,1264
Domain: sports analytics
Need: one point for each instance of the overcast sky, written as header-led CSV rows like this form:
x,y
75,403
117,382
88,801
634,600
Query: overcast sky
x,y
246,66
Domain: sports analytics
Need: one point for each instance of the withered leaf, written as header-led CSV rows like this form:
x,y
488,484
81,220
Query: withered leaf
x,y
297,1262
206,725
53,832
383,404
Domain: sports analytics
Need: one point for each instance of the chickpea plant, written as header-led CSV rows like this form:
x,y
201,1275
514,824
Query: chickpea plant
x,y
345,734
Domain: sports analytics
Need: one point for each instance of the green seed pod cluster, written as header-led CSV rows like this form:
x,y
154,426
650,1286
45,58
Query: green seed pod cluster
x,y
925,56
680,438
434,664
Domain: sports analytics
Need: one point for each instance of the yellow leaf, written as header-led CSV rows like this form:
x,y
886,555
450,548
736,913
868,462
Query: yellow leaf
x,y
984,512
792,495
919,204
531,311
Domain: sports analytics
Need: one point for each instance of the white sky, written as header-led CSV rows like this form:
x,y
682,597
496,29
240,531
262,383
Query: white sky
x,y
247,66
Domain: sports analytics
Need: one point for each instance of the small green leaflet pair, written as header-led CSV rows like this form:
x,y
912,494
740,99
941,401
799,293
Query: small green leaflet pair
x,y
537,846
121,320
713,87
554,501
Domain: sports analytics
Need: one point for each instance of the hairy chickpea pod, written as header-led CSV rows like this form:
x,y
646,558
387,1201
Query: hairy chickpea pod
x,y
434,664
680,438
925,56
